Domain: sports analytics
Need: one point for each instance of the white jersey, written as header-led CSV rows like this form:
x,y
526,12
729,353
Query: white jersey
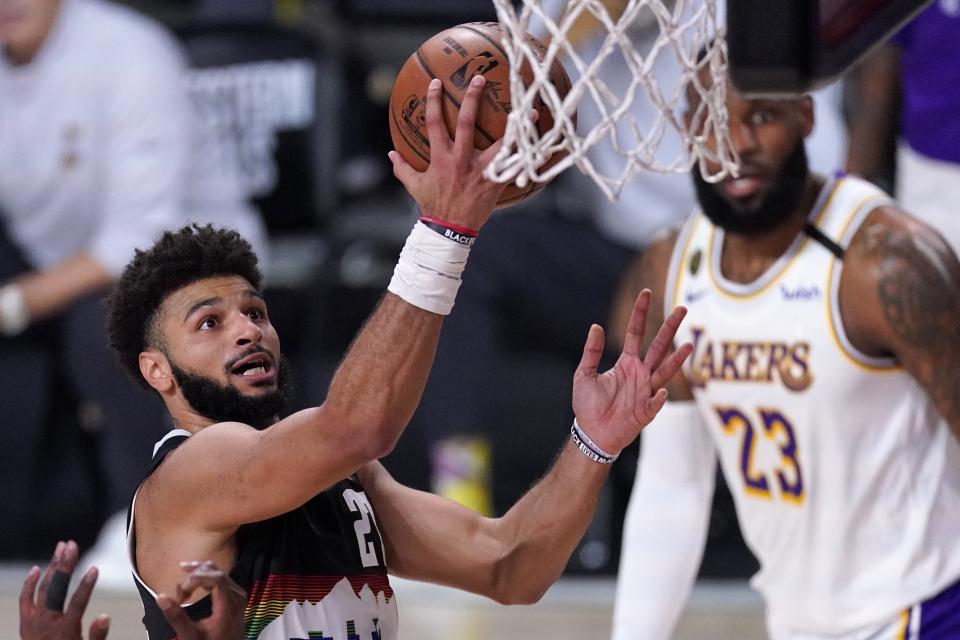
x,y
846,479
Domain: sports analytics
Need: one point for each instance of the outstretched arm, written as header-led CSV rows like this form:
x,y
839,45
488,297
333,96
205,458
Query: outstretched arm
x,y
515,558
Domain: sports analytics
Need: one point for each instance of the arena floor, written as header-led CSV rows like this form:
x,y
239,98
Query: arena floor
x,y
575,608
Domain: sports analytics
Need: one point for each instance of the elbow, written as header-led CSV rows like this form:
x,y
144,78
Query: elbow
x,y
378,438
360,435
526,596
520,593
516,584
381,442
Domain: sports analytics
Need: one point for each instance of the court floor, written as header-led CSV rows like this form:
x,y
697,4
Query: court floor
x,y
574,608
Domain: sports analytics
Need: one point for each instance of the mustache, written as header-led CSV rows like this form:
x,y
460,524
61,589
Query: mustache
x,y
249,352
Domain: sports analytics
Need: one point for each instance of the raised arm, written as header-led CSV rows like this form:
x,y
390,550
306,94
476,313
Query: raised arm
x,y
900,296
515,558
252,475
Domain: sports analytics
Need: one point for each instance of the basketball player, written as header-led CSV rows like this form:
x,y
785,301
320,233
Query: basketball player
x,y
825,377
299,510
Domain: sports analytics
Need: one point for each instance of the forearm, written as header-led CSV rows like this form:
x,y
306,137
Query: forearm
x,y
380,381
663,538
541,530
48,292
666,524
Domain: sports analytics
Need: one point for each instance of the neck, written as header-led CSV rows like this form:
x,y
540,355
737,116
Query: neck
x,y
184,417
745,257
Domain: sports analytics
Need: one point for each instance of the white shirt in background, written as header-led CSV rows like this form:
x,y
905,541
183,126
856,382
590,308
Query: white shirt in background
x,y
96,143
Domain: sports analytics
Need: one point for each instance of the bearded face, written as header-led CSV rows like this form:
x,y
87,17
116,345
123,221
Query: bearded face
x,y
225,403
762,210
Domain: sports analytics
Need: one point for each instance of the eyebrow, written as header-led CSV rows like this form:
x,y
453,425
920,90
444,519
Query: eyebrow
x,y
209,302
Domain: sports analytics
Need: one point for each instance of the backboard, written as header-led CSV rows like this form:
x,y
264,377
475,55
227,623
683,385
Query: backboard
x,y
795,46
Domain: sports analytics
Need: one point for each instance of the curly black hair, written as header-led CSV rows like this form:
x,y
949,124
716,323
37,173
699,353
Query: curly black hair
x,y
177,259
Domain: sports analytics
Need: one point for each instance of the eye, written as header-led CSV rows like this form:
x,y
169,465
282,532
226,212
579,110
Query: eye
x,y
256,314
208,323
762,115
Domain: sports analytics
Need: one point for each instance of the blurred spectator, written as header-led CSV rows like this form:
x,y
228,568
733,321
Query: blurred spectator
x,y
920,70
96,143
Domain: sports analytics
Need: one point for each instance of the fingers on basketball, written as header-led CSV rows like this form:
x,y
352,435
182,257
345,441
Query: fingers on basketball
x,y
455,56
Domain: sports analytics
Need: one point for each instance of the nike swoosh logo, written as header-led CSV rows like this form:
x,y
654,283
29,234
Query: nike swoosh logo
x,y
693,296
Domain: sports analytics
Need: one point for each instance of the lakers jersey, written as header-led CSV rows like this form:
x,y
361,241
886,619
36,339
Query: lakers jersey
x,y
845,478
318,571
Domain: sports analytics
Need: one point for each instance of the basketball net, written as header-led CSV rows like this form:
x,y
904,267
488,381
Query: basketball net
x,y
633,115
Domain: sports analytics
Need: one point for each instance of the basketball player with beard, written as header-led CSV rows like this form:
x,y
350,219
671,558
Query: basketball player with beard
x,y
825,377
299,510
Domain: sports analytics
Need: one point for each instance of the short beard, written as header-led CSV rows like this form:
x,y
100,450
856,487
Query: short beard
x,y
774,210
223,403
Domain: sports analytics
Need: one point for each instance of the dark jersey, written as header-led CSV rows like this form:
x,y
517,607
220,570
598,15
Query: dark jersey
x,y
316,572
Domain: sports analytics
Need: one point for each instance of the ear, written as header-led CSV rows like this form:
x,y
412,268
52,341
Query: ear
x,y
806,112
155,369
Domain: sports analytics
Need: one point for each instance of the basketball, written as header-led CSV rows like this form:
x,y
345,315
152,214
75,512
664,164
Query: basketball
x,y
455,56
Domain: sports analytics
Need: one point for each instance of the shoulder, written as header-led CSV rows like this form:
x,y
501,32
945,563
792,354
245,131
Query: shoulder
x,y
661,248
889,236
650,266
193,463
127,38
648,270
217,439
897,272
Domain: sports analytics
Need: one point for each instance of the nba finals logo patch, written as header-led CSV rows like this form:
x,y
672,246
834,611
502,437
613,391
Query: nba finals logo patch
x,y
695,261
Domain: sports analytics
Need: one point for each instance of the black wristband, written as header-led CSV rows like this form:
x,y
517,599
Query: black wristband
x,y
457,234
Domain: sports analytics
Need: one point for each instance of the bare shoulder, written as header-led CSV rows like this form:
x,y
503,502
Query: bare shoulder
x,y
196,462
900,281
648,270
652,263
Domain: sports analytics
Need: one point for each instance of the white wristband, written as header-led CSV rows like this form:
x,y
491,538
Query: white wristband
x,y
14,316
588,447
428,272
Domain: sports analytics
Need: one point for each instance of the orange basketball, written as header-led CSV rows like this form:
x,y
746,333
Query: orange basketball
x,y
455,56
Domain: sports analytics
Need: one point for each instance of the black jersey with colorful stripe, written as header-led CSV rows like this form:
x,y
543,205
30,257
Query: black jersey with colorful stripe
x,y
317,572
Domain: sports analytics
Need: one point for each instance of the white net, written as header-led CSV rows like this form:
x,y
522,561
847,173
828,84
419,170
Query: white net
x,y
632,64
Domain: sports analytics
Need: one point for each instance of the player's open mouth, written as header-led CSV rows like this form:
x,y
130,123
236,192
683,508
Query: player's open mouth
x,y
255,368
746,186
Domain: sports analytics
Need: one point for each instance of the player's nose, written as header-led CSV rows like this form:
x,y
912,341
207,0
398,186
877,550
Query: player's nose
x,y
248,331
744,137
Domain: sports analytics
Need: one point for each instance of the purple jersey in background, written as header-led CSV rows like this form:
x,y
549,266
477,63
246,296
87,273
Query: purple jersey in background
x,y
930,73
